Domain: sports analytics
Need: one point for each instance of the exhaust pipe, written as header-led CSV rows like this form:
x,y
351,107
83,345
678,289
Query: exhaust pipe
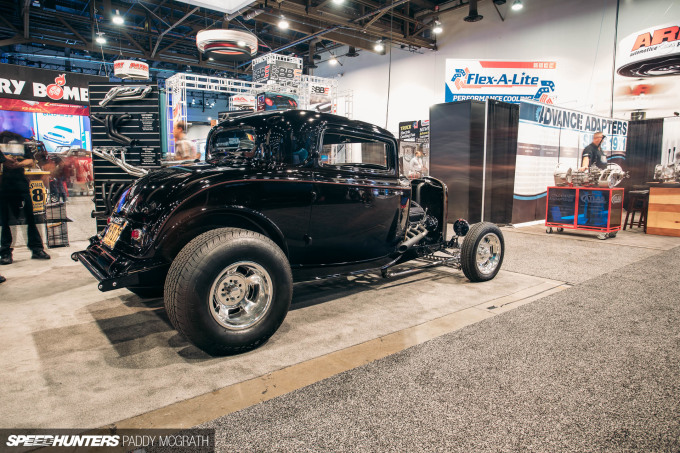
x,y
413,236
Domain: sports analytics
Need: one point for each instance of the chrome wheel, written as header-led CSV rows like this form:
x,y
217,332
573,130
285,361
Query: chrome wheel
x,y
489,252
241,295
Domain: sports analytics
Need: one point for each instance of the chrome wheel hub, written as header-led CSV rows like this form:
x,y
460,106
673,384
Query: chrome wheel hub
x,y
241,295
489,252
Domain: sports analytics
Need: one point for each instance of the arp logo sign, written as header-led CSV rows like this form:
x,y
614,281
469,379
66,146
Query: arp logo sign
x,y
652,52
656,37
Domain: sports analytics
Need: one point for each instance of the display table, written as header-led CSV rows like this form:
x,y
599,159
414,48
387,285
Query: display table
x,y
663,213
584,208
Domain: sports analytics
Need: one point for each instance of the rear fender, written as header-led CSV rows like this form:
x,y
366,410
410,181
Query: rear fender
x,y
187,224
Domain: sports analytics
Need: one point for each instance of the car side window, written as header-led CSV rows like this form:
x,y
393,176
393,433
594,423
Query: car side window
x,y
347,150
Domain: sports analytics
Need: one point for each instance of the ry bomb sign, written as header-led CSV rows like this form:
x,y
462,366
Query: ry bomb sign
x,y
33,84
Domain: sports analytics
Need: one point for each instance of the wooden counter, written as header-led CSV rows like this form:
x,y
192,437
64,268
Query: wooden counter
x,y
663,214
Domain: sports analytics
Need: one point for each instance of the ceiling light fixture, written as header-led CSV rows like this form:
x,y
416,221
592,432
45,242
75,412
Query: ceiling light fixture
x,y
338,2
379,47
118,19
333,61
517,5
437,28
283,23
100,38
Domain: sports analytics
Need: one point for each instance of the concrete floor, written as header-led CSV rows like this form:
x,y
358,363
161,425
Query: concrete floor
x,y
91,359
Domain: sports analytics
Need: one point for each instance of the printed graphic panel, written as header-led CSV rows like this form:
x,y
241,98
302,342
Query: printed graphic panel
x,y
507,81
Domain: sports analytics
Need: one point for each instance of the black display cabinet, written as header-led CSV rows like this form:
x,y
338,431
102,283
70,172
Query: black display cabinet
x,y
473,149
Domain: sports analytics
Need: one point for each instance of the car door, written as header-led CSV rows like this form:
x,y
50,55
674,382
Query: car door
x,y
357,204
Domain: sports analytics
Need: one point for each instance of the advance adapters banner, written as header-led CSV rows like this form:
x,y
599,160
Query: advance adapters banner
x,y
507,81
548,135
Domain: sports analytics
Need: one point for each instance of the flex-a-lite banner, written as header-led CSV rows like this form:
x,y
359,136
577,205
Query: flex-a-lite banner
x,y
548,135
34,84
507,81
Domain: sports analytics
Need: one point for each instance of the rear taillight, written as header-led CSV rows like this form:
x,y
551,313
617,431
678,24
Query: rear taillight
x,y
136,234
269,102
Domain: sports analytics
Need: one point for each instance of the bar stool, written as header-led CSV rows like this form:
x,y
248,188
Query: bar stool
x,y
637,202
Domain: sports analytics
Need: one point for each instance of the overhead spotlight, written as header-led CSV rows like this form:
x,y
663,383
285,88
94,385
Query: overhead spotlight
x,y
517,5
437,28
338,2
379,46
283,23
333,61
100,38
118,19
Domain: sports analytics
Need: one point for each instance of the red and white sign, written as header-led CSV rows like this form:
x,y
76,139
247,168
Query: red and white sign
x,y
131,70
507,81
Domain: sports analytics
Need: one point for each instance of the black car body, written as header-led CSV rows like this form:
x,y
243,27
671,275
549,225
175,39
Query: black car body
x,y
294,195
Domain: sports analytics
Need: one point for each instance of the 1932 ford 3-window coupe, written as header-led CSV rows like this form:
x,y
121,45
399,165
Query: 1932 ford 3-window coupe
x,y
282,197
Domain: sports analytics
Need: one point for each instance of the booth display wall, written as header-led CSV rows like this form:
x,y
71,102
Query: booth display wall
x,y
578,35
143,126
644,150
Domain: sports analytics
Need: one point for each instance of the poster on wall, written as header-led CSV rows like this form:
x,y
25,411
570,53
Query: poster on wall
x,y
670,149
647,76
414,148
507,81
548,136
57,132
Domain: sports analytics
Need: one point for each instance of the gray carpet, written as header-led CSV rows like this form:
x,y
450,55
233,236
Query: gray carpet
x,y
592,368
567,260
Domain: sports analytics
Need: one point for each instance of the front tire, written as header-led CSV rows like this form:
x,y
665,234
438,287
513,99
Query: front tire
x,y
228,290
481,255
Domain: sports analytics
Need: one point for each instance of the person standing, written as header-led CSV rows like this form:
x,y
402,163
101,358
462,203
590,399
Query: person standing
x,y
185,149
15,195
593,155
417,167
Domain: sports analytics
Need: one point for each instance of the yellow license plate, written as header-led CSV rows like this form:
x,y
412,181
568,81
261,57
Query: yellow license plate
x,y
112,234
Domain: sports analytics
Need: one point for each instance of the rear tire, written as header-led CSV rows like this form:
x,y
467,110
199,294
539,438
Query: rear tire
x,y
228,290
481,255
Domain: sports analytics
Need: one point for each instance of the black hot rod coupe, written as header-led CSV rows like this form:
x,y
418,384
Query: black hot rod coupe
x,y
281,197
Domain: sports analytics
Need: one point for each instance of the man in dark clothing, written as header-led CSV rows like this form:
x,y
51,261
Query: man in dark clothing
x,y
593,155
15,194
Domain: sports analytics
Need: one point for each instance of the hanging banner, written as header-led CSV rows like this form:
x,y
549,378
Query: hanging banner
x,y
507,81
648,72
321,98
548,136
131,70
35,84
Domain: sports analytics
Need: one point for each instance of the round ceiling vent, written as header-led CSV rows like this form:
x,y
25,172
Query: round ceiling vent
x,y
227,45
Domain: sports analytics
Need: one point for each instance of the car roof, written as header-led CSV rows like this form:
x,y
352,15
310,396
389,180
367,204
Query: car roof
x,y
297,118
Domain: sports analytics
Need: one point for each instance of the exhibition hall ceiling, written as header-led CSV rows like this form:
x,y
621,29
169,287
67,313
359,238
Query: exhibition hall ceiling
x,y
163,32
